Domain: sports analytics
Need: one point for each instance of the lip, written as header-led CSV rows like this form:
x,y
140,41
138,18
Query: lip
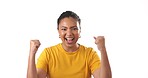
x,y
69,40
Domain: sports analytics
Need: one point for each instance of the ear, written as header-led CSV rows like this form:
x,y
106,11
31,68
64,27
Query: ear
x,y
58,31
79,33
79,30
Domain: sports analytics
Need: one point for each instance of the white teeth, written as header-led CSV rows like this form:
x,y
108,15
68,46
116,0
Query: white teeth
x,y
69,38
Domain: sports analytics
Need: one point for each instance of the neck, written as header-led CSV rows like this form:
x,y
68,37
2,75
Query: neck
x,y
70,49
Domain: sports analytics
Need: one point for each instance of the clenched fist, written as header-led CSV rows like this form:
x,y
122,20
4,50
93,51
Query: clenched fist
x,y
34,45
100,42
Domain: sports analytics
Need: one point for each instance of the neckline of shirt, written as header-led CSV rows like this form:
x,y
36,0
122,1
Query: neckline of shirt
x,y
63,50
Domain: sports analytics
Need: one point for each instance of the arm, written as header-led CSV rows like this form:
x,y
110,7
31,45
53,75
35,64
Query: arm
x,y
32,72
105,70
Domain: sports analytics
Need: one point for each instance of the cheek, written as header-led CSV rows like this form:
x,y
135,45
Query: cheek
x,y
77,34
62,34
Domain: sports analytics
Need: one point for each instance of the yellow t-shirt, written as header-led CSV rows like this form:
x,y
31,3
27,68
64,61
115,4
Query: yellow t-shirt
x,y
61,64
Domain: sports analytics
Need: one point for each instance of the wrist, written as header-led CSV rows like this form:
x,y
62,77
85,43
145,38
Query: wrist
x,y
32,54
101,48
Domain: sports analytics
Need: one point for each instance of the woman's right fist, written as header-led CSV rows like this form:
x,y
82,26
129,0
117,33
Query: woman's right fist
x,y
34,45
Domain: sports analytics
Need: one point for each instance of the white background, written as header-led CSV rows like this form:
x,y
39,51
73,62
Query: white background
x,y
122,22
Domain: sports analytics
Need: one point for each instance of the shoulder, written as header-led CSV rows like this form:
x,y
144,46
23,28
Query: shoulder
x,y
88,50
90,53
53,47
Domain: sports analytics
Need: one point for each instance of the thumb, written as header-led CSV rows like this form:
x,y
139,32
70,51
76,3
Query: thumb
x,y
94,37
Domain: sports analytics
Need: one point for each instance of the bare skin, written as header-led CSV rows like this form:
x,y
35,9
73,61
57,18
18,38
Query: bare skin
x,y
105,70
69,33
32,72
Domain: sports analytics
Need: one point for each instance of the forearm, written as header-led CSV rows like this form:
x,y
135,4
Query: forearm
x,y
105,66
31,72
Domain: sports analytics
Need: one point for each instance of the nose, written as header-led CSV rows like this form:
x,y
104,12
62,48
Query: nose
x,y
69,32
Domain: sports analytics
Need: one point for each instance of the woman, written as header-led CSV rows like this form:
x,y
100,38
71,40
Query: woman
x,y
69,59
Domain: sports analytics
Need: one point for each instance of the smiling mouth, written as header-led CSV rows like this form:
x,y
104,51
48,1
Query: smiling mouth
x,y
69,40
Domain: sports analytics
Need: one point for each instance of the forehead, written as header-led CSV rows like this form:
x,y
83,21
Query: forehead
x,y
68,22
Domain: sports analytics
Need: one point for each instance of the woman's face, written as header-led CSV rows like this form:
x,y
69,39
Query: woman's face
x,y
69,31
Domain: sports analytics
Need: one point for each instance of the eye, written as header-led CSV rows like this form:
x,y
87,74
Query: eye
x,y
64,29
75,28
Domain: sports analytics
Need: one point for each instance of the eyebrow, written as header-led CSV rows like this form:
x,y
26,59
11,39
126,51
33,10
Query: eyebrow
x,y
70,27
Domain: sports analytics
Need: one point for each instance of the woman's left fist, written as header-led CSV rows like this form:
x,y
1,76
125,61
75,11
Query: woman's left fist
x,y
100,42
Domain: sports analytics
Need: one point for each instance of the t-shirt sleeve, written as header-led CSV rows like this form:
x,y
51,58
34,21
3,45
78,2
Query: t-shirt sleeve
x,y
94,61
42,60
